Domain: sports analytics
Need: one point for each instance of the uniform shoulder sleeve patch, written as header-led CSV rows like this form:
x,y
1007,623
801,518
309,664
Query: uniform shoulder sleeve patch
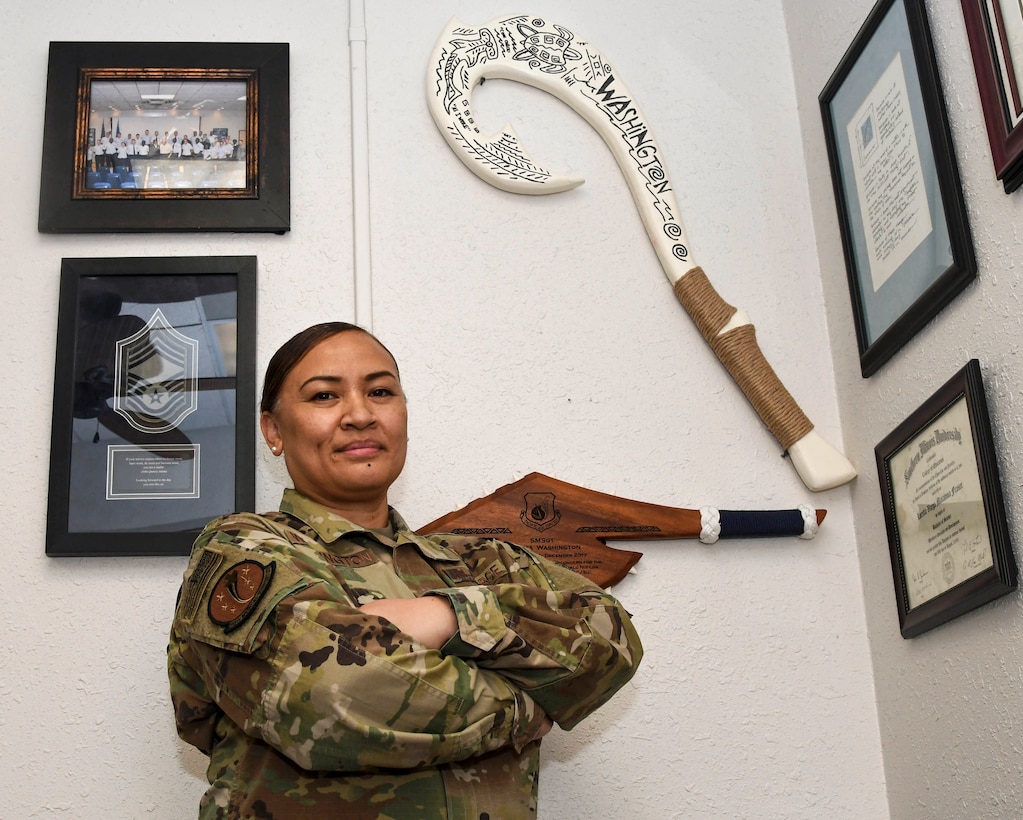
x,y
238,592
229,592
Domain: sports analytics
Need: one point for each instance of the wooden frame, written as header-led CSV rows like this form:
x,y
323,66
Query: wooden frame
x,y
905,233
947,532
241,183
994,28
153,430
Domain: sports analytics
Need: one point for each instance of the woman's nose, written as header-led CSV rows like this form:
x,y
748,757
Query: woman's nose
x,y
358,412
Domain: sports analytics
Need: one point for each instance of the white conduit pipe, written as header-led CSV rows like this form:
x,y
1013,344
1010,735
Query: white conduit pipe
x,y
362,263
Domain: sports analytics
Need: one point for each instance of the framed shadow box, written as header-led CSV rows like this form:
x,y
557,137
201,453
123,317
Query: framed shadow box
x,y
153,431
146,137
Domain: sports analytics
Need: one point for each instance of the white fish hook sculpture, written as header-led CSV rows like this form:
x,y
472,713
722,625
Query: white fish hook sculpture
x,y
532,50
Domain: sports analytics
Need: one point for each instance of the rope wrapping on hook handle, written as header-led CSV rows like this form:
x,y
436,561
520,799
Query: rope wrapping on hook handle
x,y
738,351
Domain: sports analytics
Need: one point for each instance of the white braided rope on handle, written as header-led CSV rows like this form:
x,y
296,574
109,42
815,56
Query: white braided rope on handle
x,y
710,525
810,525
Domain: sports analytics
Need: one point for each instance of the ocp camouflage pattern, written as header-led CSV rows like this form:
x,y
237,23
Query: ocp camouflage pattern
x,y
309,708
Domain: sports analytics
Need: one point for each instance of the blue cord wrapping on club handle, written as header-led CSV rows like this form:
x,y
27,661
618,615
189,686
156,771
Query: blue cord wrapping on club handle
x,y
757,523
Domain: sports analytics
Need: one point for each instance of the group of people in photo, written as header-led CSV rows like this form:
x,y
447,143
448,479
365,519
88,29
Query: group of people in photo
x,y
169,145
113,160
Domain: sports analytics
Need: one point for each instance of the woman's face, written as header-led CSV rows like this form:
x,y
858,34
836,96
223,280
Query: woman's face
x,y
342,422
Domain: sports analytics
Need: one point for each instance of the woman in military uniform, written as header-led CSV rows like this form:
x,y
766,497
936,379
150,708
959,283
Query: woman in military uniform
x,y
333,663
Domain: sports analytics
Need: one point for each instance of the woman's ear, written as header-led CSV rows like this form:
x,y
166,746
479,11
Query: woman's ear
x,y
271,433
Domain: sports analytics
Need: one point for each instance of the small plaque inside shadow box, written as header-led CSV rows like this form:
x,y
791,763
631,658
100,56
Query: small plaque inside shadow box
x,y
943,507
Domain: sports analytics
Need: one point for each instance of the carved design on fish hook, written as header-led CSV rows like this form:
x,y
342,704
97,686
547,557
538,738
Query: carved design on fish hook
x,y
550,52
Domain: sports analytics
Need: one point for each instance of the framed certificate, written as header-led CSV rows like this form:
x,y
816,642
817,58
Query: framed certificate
x,y
947,532
905,233
153,430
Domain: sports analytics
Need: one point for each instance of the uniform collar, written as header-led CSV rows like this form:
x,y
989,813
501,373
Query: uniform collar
x,y
330,526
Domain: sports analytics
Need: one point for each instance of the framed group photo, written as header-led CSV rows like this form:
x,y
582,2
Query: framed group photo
x,y
995,31
905,233
153,430
948,536
146,137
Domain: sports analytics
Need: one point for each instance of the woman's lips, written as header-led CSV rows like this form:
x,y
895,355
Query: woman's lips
x,y
362,449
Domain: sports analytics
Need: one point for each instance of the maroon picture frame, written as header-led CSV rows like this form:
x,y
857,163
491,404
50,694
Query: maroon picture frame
x,y
1000,83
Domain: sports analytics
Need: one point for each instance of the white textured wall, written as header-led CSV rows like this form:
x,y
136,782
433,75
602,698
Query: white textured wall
x,y
533,334
949,700
539,333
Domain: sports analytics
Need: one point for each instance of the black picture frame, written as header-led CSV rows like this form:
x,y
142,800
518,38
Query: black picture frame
x,y
905,232
993,29
153,430
947,531
243,189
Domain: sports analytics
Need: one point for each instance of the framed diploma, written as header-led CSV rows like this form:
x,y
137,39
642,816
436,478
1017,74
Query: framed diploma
x,y
905,233
947,532
153,430
995,31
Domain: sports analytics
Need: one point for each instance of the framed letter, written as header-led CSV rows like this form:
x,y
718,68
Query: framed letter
x,y
905,234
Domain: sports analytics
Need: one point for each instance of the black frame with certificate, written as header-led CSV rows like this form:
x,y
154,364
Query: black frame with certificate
x,y
943,507
238,179
153,431
904,227
995,31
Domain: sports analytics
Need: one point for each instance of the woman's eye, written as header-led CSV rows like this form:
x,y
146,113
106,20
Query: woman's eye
x,y
323,395
381,391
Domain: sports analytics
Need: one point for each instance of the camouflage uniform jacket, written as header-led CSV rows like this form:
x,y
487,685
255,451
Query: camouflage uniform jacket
x,y
309,708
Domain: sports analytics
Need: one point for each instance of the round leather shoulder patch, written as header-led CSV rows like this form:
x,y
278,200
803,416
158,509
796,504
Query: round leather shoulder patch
x,y
238,592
